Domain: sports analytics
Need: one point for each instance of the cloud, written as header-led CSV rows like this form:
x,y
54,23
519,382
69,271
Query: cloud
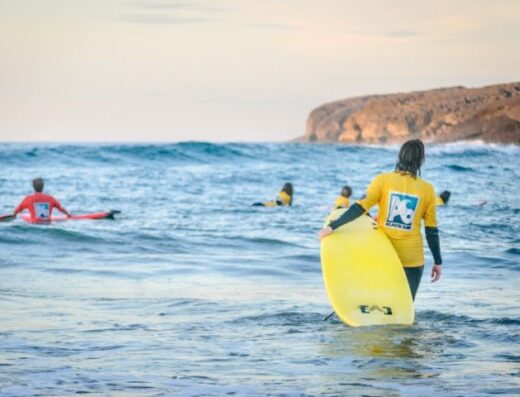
x,y
391,34
401,34
158,19
275,26
206,7
173,12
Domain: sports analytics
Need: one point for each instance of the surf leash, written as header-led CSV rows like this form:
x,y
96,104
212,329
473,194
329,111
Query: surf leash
x,y
329,316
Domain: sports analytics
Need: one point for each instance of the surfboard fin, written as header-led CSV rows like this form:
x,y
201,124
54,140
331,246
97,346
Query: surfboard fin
x,y
111,214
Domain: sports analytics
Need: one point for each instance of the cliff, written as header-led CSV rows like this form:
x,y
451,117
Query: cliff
x,y
491,114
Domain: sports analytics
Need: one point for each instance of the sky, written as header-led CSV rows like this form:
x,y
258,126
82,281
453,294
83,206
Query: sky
x,y
232,70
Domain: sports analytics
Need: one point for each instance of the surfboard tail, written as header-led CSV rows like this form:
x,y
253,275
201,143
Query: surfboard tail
x,y
7,218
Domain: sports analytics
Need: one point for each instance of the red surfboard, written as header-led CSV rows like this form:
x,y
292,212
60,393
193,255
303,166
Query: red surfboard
x,y
73,217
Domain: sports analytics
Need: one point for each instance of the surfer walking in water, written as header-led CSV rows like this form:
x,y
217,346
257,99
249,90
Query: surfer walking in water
x,y
405,200
39,204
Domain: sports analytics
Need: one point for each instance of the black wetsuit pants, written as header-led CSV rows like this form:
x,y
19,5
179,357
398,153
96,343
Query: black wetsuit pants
x,y
414,274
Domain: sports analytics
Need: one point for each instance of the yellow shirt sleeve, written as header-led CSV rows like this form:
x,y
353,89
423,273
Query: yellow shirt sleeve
x,y
430,215
373,193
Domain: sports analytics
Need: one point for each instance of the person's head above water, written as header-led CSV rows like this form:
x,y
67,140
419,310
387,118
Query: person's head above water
x,y
346,191
445,196
288,188
38,185
411,157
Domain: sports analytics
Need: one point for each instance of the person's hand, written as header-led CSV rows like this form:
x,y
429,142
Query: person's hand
x,y
325,232
436,272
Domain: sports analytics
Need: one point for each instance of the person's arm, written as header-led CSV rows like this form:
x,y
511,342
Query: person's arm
x,y
357,209
22,206
59,207
354,212
432,236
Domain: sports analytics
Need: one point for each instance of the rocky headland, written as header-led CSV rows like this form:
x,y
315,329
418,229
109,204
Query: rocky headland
x,y
491,114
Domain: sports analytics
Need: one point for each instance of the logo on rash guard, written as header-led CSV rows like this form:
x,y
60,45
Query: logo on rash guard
x,y
42,210
401,211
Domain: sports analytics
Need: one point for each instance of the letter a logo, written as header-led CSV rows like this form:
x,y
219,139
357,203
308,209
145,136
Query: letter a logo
x,y
401,211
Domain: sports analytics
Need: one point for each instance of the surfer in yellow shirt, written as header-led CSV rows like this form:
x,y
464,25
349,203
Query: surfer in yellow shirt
x,y
404,201
284,198
343,200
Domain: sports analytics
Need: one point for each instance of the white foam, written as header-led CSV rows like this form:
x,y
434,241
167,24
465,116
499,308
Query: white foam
x,y
473,146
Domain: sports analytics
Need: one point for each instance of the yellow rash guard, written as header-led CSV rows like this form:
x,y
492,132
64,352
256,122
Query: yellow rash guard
x,y
282,199
439,201
342,202
404,201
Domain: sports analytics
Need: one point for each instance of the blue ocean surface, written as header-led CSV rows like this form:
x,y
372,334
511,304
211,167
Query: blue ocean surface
x,y
194,292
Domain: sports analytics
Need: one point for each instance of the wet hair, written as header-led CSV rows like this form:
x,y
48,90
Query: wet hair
x,y
288,188
411,158
38,184
445,196
346,191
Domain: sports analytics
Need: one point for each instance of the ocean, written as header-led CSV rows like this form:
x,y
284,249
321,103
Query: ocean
x,y
194,292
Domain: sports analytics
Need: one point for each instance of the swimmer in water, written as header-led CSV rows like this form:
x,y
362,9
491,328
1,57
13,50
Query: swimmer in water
x,y
284,198
343,200
443,198
39,204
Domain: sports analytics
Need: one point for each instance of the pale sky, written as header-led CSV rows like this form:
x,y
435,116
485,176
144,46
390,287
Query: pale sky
x,y
232,70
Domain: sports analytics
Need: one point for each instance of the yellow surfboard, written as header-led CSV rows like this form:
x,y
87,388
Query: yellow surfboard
x,y
363,275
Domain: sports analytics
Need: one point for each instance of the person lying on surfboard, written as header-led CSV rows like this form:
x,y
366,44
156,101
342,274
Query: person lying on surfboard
x,y
404,201
39,204
343,200
284,198
443,198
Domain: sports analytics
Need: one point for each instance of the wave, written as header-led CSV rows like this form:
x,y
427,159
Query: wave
x,y
206,152
283,318
449,319
117,154
439,148
459,168
514,251
32,233
470,148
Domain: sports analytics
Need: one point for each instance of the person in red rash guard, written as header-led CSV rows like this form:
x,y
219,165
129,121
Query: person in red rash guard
x,y
39,204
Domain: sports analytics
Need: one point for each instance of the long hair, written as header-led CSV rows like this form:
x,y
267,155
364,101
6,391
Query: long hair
x,y
288,188
411,158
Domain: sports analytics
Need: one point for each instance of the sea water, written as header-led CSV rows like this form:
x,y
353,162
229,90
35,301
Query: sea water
x,y
194,292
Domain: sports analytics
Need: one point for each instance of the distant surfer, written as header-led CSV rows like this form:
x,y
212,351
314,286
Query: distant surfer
x,y
39,204
343,200
284,198
404,200
443,198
